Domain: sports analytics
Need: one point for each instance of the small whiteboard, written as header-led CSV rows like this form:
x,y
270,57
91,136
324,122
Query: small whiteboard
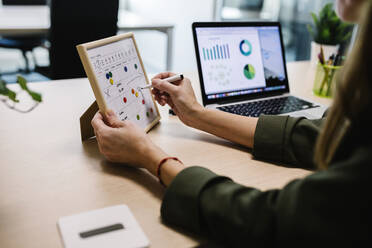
x,y
115,71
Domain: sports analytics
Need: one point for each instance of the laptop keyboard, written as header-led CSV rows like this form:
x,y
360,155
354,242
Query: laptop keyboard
x,y
274,106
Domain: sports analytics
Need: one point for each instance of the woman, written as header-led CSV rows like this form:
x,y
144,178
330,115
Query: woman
x,y
333,204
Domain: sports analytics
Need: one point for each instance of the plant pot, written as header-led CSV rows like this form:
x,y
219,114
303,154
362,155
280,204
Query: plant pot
x,y
328,50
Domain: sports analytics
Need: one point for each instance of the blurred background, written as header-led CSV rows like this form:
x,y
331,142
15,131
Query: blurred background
x,y
178,55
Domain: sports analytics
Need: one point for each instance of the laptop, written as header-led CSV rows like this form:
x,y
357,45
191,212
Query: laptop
x,y
242,70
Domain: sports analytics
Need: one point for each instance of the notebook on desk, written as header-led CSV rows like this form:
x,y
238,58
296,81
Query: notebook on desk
x,y
242,70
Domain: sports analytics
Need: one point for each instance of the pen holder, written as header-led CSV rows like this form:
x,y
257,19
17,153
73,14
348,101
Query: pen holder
x,y
325,80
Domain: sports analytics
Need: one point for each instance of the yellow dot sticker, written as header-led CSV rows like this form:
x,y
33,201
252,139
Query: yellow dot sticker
x,y
136,94
111,81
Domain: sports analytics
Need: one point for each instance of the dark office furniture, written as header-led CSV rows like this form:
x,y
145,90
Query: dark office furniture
x,y
74,22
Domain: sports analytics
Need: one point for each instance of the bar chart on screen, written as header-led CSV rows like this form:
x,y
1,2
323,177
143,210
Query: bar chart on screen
x,y
217,52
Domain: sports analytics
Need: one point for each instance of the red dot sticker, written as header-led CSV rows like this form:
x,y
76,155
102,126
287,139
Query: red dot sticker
x,y
143,101
132,91
125,100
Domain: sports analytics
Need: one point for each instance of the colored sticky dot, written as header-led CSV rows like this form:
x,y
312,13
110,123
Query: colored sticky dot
x,y
136,94
143,101
135,66
151,110
107,75
125,68
132,91
138,117
147,114
110,73
125,99
111,81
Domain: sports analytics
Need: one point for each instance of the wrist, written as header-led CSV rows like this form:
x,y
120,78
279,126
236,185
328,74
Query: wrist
x,y
196,115
169,170
152,154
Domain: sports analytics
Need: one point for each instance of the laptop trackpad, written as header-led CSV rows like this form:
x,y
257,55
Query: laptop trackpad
x,y
314,113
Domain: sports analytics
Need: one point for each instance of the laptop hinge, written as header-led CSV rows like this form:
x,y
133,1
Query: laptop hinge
x,y
251,99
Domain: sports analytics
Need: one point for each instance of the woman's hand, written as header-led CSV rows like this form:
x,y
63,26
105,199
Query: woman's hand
x,y
179,96
124,142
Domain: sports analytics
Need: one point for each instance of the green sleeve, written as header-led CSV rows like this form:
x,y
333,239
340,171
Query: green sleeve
x,y
286,139
307,210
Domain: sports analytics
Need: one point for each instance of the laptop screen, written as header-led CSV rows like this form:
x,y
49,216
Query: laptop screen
x,y
239,61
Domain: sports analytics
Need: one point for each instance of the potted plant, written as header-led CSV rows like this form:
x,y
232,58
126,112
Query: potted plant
x,y
328,31
9,97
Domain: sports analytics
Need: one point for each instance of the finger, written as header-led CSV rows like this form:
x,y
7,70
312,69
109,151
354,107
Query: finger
x,y
113,120
154,91
98,123
163,85
164,75
170,103
158,98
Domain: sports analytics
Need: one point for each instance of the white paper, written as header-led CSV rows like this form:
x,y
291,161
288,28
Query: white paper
x,y
131,236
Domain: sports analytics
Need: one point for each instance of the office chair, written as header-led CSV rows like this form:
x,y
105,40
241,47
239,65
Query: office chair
x,y
23,43
74,22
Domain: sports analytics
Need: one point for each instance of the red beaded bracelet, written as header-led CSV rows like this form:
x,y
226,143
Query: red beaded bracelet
x,y
161,163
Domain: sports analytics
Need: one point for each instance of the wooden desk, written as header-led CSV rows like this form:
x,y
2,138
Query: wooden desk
x,y
27,20
46,172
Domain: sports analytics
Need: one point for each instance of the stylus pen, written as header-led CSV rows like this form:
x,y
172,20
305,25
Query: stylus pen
x,y
169,79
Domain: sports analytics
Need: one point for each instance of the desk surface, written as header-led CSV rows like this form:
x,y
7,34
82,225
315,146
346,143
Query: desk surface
x,y
46,172
35,19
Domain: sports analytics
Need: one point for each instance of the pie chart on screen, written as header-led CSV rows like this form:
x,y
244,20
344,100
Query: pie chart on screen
x,y
249,71
245,47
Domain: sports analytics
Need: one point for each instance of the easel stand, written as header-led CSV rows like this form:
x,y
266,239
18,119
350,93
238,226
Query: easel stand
x,y
86,128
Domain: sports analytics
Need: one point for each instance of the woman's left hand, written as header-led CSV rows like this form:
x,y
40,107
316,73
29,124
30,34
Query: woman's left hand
x,y
124,142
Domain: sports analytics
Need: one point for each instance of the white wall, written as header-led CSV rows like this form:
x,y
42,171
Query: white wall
x,y
180,12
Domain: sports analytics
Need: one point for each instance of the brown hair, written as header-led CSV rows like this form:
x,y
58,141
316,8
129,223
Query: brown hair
x,y
352,106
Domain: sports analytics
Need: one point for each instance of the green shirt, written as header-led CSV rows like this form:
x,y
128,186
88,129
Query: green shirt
x,y
327,206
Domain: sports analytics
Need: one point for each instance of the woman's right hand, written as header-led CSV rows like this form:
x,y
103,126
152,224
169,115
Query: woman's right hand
x,y
178,95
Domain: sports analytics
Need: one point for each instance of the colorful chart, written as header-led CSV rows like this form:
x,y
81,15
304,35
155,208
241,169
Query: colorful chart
x,y
217,52
120,75
249,71
245,47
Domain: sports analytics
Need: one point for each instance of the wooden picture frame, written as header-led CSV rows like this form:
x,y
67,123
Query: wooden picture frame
x,y
91,69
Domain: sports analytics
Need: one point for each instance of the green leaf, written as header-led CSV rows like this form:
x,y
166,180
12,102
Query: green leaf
x,y
4,90
12,96
36,96
315,19
328,27
3,87
22,82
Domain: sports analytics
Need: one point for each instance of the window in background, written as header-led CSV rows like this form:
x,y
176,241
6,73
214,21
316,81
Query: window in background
x,y
294,15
